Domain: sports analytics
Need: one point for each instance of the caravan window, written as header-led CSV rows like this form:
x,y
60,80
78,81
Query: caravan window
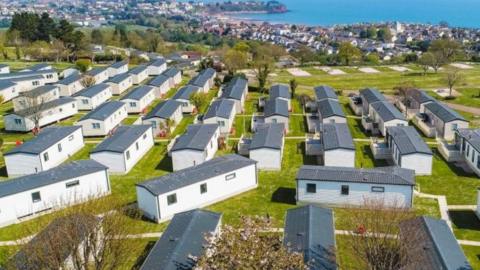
x,y
311,188
203,188
345,190
172,199
230,176
36,196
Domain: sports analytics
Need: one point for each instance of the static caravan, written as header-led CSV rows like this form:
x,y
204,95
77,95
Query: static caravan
x,y
49,76
276,111
197,145
164,117
325,92
100,74
174,75
161,84
221,112
236,90
29,83
414,101
103,119
120,83
266,147
183,96
337,146
443,120
121,151
51,147
281,91
139,99
139,74
200,82
467,142
8,90
369,96
195,187
37,67
53,189
48,113
383,115
342,186
36,96
330,112
156,67
92,97
117,68
70,85
4,69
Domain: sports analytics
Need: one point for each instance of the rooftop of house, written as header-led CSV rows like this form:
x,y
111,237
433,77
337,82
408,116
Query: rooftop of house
x,y
276,107
223,108
4,84
387,111
280,91
159,80
325,92
372,95
120,78
96,71
336,136
197,137
39,91
119,64
122,139
408,140
330,107
92,91
45,106
138,69
171,72
420,96
185,92
471,135
164,110
103,111
70,79
443,112
235,89
268,136
157,62
139,92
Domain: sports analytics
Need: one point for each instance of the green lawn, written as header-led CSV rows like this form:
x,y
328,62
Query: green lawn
x,y
466,224
297,125
473,255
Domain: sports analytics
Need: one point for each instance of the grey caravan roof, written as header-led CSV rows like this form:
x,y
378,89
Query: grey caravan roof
x,y
183,238
443,112
329,107
70,79
171,72
4,84
199,80
220,108
209,72
25,74
420,96
119,64
45,139
431,245
336,136
276,107
235,88
387,111
280,91
408,140
372,95
92,91
96,71
472,136
119,78
379,175
139,92
310,230
185,92
46,106
38,67
41,90
103,111
57,174
164,110
325,92
138,69
122,139
268,136
27,78
195,174
196,137
157,62
159,80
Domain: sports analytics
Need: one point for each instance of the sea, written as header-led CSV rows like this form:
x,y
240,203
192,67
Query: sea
x,y
459,13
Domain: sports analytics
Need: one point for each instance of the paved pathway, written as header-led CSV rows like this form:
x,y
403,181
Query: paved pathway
x,y
442,205
468,109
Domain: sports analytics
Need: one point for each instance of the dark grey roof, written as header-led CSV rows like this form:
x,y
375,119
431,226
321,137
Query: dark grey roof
x,y
27,78
330,107
336,136
199,80
443,112
3,65
268,136
119,78
209,72
45,139
420,96
310,230
379,175
472,136
325,92
191,175
185,92
119,64
184,237
220,108
387,111
164,110
431,245
157,62
171,72
196,137
92,91
70,79
139,92
276,107
58,174
103,111
280,91
96,71
122,139
159,80
4,84
235,88
38,67
138,69
46,106
39,91
408,140
372,95
26,74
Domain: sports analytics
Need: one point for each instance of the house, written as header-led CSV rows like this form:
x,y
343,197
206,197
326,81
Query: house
x,y
139,98
183,96
70,85
325,92
51,147
139,74
438,120
369,96
383,115
8,90
413,102
48,75
210,74
330,111
466,149
201,82
120,83
195,187
4,69
103,119
124,148
37,67
44,114
69,72
28,83
166,115
430,245
99,74
197,145
221,112
36,96
92,97
117,68
276,111
156,67
310,230
236,90
53,189
183,240
342,186
281,91
174,75
266,146
161,84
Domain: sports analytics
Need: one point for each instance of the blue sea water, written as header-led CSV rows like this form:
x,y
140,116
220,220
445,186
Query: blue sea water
x,y
463,13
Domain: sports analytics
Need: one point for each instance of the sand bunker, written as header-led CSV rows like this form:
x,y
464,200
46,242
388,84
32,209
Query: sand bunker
x,y
400,69
368,70
298,72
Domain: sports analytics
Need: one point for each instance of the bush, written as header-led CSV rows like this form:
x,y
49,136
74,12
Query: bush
x,y
83,65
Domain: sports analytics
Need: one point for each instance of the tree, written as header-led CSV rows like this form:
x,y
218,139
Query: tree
x,y
97,36
429,60
33,108
348,53
83,65
372,32
206,63
452,77
46,27
445,50
154,40
64,31
26,24
372,58
88,81
293,85
304,54
384,34
198,99
249,247
58,49
234,60
38,50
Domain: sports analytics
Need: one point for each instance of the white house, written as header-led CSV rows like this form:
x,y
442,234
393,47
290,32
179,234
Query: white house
x,y
200,82
127,145
166,115
183,96
103,119
4,69
49,75
330,111
174,75
120,83
8,90
195,187
440,121
70,85
156,67
161,84
139,98
36,96
369,96
221,112
53,189
266,147
382,115
51,147
47,113
37,67
325,92
276,111
197,145
236,90
99,74
341,186
28,83
117,68
281,91
467,143
139,74
92,97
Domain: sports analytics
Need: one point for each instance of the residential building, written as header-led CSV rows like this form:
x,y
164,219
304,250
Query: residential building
x,y
161,84
383,115
8,90
120,83
139,99
465,149
37,96
99,74
266,146
117,68
70,85
94,96
221,112
174,75
236,90
276,111
4,69
438,120
164,117
281,91
183,96
156,67
330,111
139,74
103,119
